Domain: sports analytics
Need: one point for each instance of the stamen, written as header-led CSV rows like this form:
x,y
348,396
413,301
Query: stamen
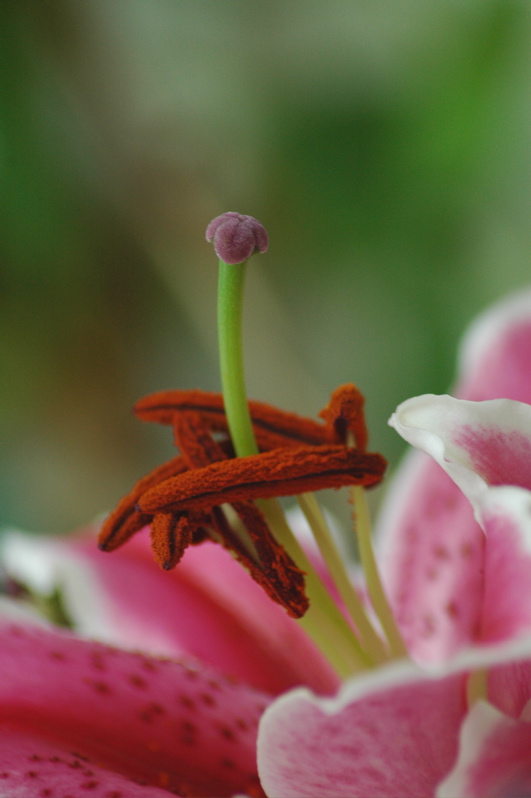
x,y
281,472
344,412
269,563
323,622
170,535
260,453
127,519
375,588
369,639
477,687
276,572
272,427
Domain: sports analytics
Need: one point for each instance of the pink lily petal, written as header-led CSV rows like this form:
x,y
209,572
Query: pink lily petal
x,y
476,443
32,766
207,608
493,757
431,552
496,352
425,568
505,515
434,547
158,721
388,734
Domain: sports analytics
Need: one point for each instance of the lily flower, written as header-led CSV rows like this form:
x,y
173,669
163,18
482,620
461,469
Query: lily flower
x,y
369,693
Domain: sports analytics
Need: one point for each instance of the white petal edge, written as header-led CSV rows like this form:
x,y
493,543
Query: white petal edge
x,y
45,564
479,724
431,423
513,503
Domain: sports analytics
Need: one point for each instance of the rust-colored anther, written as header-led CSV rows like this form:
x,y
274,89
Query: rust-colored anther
x,y
280,472
170,535
272,427
344,413
182,499
275,572
127,519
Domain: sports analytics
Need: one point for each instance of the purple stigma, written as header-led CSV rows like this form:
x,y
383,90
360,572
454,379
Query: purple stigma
x,y
236,237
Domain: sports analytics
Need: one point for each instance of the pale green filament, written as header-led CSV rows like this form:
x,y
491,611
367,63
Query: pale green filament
x,y
369,639
477,687
323,621
372,577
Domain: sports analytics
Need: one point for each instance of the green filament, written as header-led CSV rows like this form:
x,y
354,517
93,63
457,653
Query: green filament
x,y
230,306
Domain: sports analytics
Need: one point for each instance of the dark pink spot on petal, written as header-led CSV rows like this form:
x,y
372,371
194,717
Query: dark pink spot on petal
x,y
187,702
137,681
207,699
58,656
102,688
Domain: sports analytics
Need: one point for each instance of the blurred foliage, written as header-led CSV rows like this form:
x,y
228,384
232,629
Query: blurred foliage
x,y
385,146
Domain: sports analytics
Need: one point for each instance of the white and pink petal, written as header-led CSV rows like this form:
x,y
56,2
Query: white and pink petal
x,y
493,757
391,733
430,543
478,444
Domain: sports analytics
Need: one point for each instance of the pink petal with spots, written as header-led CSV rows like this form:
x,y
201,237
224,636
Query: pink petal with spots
x,y
425,514
208,607
391,733
493,757
157,721
33,766
505,515
431,554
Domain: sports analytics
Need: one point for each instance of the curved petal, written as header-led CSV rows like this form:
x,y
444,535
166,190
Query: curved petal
x,y
496,352
493,757
391,733
477,443
161,722
432,544
207,608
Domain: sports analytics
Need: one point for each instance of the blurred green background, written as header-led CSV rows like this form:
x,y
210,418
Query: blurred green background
x,y
385,146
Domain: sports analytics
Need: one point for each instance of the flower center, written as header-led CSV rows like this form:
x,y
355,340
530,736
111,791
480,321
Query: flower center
x,y
237,457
